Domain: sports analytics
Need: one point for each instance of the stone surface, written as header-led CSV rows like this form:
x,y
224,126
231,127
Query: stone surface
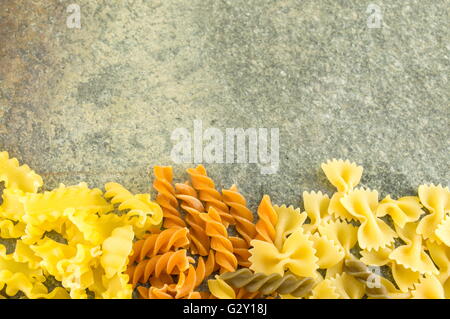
x,y
99,103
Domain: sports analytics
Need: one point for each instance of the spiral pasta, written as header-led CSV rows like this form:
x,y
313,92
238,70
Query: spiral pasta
x,y
165,292
241,214
169,239
172,262
166,196
268,284
265,227
360,271
204,269
200,242
241,251
219,240
208,194
74,235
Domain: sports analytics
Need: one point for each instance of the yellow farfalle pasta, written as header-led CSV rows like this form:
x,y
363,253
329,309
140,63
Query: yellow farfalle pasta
x,y
403,210
342,233
344,175
412,255
296,255
316,207
288,221
437,200
373,232
428,287
440,254
338,287
405,278
328,252
443,231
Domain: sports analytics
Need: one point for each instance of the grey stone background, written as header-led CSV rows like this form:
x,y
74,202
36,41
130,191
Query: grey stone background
x,y
99,103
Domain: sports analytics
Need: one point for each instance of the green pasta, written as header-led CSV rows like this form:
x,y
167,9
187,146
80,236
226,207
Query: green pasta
x,y
359,271
268,284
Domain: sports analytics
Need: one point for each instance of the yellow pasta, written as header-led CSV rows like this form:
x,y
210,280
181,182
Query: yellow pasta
x,y
412,255
297,255
373,232
437,200
76,235
116,250
403,210
18,177
288,221
316,207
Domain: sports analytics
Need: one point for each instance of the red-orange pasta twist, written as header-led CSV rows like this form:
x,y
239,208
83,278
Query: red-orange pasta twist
x,y
153,244
193,207
241,214
220,241
240,250
166,292
161,280
166,197
208,193
204,269
172,263
186,283
265,227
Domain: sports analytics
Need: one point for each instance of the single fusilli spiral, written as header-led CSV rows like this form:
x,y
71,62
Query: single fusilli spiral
x,y
208,194
359,271
241,214
172,262
268,284
153,244
193,207
265,227
219,241
240,250
166,196
204,269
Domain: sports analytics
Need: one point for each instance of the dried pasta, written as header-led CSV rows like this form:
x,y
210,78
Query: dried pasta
x,y
269,284
113,244
239,211
208,193
220,242
166,196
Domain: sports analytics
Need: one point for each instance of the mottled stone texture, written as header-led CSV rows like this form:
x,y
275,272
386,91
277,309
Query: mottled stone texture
x,y
99,103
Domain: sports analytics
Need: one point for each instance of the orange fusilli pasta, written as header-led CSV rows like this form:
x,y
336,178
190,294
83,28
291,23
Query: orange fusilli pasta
x,y
265,227
169,239
208,194
166,196
241,214
220,241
